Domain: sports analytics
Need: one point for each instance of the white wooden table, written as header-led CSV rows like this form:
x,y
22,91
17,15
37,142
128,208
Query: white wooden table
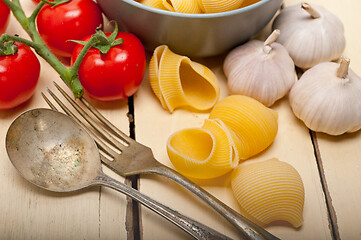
x,y
329,166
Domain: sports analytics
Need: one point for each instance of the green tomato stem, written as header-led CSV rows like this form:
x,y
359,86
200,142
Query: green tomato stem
x,y
69,76
87,46
36,12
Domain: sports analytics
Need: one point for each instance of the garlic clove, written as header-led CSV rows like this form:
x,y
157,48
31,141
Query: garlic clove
x,y
311,34
261,70
327,98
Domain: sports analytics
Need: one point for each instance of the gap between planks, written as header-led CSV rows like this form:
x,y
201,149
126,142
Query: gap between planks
x,y
332,218
133,210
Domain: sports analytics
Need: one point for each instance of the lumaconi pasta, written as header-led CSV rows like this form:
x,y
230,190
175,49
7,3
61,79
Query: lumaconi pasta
x,y
177,81
182,6
198,6
249,2
269,191
205,152
254,124
238,128
155,4
214,6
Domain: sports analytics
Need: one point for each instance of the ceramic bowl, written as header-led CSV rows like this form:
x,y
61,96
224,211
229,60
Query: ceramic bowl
x,y
195,35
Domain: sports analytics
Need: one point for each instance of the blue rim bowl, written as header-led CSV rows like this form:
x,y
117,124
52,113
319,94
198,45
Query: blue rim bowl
x,y
195,35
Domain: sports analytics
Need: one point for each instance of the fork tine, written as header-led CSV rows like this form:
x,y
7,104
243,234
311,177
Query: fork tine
x,y
104,132
52,106
101,144
105,121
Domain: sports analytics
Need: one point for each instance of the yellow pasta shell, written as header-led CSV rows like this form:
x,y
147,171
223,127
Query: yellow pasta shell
x,y
269,191
182,6
154,73
202,153
154,3
214,6
177,81
254,124
246,3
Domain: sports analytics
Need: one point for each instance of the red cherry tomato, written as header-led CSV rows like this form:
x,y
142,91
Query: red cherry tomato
x,y
115,75
73,20
19,75
4,16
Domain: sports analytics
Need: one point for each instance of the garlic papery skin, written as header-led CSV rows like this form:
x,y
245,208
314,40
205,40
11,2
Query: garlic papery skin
x,y
327,98
311,34
261,70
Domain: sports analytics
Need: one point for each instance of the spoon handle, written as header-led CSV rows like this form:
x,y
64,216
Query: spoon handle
x,y
192,227
247,228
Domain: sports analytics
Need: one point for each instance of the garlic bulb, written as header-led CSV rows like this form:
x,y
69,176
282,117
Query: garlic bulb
x,y
261,70
311,34
327,98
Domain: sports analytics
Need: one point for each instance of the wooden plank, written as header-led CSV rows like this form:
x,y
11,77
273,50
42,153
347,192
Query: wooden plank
x,y
341,155
293,145
30,212
27,212
33,213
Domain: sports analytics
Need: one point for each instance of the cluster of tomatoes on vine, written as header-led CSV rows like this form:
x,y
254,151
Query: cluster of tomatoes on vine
x,y
106,76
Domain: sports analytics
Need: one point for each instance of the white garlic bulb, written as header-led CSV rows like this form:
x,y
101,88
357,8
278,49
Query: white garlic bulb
x,y
311,34
261,70
327,98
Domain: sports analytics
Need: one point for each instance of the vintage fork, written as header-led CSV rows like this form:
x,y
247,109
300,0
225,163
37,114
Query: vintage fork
x,y
128,157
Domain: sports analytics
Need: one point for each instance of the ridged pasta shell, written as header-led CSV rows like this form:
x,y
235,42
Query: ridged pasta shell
x,y
269,191
205,152
182,6
214,6
154,3
254,124
249,2
177,81
154,73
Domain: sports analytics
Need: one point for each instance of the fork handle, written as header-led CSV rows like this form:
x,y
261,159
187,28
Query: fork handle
x,y
192,227
248,229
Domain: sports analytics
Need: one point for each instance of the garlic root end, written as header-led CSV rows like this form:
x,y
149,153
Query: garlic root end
x,y
271,39
342,71
313,12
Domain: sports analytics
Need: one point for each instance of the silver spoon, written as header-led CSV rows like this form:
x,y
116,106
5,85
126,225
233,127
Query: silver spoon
x,y
52,151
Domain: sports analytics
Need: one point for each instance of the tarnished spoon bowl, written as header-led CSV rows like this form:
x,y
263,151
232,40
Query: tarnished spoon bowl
x,y
52,151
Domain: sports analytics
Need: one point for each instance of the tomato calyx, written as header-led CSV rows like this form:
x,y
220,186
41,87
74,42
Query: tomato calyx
x,y
102,42
8,48
55,3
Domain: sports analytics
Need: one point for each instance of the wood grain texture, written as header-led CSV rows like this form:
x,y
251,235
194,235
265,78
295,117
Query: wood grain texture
x,y
340,155
27,212
293,144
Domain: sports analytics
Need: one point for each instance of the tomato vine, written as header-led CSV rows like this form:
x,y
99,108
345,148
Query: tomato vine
x,y
68,74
